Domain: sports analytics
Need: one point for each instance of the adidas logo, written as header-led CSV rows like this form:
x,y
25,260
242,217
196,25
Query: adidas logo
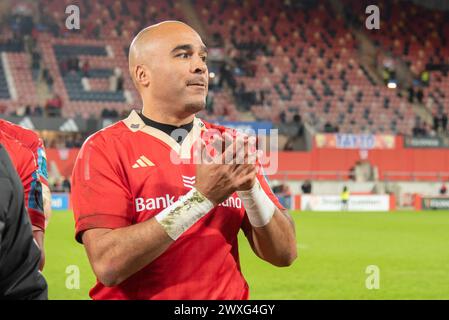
x,y
69,126
143,162
188,181
26,123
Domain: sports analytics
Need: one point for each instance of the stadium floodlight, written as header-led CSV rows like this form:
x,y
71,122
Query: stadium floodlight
x,y
392,85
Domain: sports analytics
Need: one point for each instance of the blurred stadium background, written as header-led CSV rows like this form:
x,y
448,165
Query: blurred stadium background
x,y
366,109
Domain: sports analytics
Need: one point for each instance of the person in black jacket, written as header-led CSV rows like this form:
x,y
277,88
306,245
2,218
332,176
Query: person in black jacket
x,y
19,254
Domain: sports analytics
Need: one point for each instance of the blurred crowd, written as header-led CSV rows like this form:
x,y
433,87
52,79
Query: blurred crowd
x,y
64,140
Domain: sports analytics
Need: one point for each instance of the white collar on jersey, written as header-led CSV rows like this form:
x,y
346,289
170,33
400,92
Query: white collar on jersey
x,y
135,123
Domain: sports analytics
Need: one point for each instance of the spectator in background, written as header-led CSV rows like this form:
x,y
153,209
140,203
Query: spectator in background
x,y
49,81
69,141
73,64
35,59
37,111
227,76
261,97
419,130
297,120
85,68
66,186
419,95
48,78
97,30
114,113
28,111
53,106
444,122
109,113
120,82
287,196
425,130
385,75
56,187
411,94
283,193
345,199
329,128
105,113
306,187
79,139
436,122
443,189
283,117
425,77
3,109
64,67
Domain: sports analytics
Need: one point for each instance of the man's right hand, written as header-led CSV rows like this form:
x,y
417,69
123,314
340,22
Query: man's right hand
x,y
221,176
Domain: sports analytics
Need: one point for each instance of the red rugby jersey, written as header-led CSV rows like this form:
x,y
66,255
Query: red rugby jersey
x,y
124,174
32,141
26,167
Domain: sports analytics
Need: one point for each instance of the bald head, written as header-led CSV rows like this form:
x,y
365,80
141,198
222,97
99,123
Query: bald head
x,y
144,47
168,65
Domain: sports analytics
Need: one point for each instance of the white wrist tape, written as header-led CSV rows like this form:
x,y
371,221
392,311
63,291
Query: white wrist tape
x,y
182,214
258,205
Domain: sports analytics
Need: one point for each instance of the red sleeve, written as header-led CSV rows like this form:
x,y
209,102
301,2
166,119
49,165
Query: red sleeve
x,y
100,198
246,226
27,170
41,157
35,184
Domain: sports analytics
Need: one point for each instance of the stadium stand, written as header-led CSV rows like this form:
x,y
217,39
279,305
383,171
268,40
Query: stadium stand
x,y
305,67
323,67
417,39
4,92
300,63
19,64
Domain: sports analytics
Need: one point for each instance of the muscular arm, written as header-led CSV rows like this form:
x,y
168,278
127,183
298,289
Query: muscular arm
x,y
117,254
276,241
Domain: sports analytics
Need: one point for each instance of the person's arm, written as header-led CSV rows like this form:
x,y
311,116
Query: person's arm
x,y
43,175
117,254
28,172
276,241
269,228
43,193
103,210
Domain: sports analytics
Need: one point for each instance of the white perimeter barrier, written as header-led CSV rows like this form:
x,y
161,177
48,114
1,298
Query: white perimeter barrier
x,y
334,203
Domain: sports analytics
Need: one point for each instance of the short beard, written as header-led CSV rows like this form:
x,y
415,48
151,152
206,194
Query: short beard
x,y
194,107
